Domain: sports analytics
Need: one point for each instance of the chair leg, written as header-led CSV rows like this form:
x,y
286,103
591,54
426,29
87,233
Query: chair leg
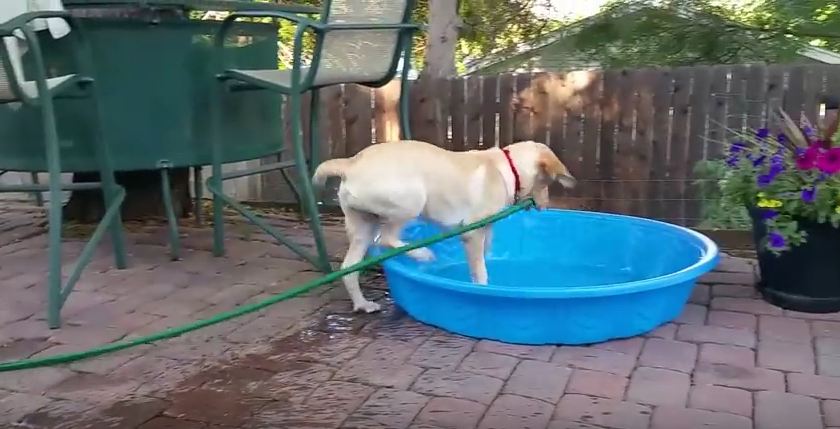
x,y
314,138
305,185
39,197
171,219
312,145
54,301
216,179
110,189
295,191
198,192
54,253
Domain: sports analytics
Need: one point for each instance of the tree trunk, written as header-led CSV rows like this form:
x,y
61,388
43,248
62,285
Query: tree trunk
x,y
441,39
143,196
143,188
439,63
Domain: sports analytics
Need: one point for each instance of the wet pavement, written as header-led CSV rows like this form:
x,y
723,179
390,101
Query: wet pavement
x,y
729,361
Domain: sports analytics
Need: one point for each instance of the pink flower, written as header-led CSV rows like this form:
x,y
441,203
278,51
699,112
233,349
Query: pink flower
x,y
807,159
829,161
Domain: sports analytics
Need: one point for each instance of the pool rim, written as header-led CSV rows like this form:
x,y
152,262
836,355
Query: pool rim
x,y
708,260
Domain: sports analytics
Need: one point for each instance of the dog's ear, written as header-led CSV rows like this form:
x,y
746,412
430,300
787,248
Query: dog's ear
x,y
555,170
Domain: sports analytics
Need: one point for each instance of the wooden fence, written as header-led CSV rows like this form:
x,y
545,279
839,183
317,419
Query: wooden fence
x,y
632,137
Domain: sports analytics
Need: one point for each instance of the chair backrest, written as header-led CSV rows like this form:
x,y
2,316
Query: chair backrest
x,y
360,56
10,50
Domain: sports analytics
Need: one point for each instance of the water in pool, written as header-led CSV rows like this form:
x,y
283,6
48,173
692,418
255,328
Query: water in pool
x,y
535,273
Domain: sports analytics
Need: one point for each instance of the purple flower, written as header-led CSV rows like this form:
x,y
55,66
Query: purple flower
x,y
808,131
777,163
737,147
776,167
764,180
732,160
762,133
808,194
769,214
781,138
776,240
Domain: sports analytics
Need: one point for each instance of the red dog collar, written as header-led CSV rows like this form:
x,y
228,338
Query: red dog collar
x,y
516,184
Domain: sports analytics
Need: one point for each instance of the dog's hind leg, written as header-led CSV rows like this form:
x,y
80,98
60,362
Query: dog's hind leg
x,y
361,229
390,237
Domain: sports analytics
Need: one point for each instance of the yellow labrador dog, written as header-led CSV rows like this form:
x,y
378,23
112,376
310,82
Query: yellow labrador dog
x,y
386,185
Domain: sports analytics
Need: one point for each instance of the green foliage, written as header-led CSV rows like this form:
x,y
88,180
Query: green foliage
x,y
499,26
637,33
816,22
718,212
487,26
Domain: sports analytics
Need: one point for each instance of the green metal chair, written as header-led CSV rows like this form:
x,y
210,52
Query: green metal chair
x,y
355,41
39,93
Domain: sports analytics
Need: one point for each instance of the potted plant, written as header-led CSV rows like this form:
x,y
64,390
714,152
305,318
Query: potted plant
x,y
790,185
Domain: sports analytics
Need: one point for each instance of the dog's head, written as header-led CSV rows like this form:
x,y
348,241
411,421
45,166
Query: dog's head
x,y
539,167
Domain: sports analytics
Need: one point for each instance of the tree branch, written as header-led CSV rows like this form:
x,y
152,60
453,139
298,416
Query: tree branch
x,y
800,33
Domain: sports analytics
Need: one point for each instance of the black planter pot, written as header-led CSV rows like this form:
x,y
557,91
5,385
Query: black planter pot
x,y
805,278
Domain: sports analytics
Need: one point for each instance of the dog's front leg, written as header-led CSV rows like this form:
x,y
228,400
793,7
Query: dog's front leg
x,y
488,239
474,243
542,199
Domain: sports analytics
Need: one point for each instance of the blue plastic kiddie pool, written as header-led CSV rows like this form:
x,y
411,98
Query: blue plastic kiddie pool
x,y
556,277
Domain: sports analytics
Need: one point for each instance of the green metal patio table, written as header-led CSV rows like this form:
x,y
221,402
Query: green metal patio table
x,y
153,74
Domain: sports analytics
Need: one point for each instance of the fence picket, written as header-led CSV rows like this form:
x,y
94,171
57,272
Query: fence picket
x,y
677,172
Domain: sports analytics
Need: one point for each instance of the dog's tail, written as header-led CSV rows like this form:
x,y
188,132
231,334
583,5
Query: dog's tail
x,y
331,168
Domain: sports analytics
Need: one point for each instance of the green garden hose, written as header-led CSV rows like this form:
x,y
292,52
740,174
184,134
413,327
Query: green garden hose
x,y
16,365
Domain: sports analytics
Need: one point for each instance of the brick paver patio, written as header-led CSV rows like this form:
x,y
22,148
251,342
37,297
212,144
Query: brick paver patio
x,y
730,361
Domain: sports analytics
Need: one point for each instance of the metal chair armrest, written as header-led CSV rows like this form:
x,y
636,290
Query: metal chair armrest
x,y
7,28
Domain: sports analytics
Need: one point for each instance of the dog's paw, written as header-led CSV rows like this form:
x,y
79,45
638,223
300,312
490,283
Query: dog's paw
x,y
422,254
367,307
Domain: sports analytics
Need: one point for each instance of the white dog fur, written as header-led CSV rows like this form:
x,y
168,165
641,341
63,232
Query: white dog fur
x,y
386,185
